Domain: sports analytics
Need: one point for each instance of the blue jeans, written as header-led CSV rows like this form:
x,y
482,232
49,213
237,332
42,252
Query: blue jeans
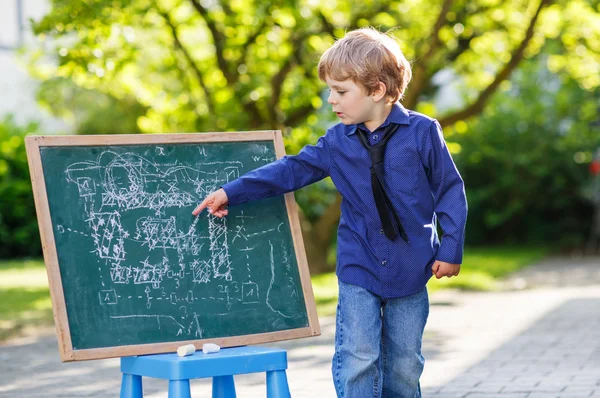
x,y
378,344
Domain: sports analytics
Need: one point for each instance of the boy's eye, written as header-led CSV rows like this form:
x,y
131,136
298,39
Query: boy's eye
x,y
341,92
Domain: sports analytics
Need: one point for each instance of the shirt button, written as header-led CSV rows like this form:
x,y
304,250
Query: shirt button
x,y
384,262
381,231
375,137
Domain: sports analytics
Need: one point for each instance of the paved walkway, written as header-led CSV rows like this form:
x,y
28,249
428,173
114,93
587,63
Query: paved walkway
x,y
532,343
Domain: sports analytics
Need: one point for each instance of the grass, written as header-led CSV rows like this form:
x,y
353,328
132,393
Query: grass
x,y
24,296
481,268
25,300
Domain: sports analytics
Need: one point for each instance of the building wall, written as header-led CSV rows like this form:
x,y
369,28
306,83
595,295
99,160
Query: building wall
x,y
17,88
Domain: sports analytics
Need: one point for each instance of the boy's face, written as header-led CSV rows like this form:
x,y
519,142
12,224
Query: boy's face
x,y
350,102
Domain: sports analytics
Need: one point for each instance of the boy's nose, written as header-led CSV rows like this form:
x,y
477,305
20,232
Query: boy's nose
x,y
330,100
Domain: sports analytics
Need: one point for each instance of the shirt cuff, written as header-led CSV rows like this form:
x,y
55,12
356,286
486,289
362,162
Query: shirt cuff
x,y
234,190
450,251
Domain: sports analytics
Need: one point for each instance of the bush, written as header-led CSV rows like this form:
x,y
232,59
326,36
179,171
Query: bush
x,y
521,162
18,224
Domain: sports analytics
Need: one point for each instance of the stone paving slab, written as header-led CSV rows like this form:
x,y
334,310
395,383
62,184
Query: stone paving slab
x,y
537,343
557,272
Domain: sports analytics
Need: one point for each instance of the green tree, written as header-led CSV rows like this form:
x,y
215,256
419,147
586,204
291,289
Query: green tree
x,y
525,161
18,226
195,65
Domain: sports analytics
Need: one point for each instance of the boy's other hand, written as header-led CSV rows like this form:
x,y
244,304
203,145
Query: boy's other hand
x,y
215,202
441,268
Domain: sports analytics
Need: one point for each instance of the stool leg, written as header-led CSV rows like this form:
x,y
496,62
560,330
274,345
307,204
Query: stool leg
x,y
131,386
179,389
277,385
223,387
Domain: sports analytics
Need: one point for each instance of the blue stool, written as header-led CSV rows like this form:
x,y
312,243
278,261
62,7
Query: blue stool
x,y
221,366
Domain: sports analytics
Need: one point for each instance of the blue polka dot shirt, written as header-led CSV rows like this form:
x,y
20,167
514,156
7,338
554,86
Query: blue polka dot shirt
x,y
421,180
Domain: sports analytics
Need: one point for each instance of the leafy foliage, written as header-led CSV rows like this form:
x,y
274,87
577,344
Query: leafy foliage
x,y
524,161
18,225
199,65
195,65
90,111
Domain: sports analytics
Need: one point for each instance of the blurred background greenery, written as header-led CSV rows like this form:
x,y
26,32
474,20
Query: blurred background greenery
x,y
514,84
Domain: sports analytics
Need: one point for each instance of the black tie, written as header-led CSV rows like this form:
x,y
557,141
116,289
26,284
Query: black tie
x,y
391,224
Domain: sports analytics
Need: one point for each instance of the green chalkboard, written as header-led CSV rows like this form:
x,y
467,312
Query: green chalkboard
x,y
137,268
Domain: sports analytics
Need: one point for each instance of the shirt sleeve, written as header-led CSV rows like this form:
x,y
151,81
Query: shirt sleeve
x,y
448,189
281,176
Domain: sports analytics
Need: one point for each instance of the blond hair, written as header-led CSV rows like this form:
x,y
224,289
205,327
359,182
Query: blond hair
x,y
368,57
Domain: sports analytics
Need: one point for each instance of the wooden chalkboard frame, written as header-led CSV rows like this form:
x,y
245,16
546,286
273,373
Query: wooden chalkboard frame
x,y
67,353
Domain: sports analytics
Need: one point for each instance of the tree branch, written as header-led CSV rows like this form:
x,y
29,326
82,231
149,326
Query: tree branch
x,y
327,26
251,40
371,12
226,7
464,43
329,220
219,41
420,76
299,114
516,57
255,119
279,78
330,28
276,86
189,58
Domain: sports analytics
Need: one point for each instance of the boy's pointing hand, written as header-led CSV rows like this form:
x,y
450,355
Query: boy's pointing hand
x,y
215,202
441,268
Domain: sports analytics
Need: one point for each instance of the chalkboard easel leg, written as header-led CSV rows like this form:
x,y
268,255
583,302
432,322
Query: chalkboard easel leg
x,y
179,389
131,386
223,387
277,385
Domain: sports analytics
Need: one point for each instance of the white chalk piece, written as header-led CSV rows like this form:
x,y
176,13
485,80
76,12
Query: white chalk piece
x,y
185,350
210,347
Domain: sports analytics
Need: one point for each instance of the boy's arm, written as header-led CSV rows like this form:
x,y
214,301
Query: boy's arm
x,y
281,176
447,187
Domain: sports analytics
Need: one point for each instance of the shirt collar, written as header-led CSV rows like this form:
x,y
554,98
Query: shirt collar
x,y
398,115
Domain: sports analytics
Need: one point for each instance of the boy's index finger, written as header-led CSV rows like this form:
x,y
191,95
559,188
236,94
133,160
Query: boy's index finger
x,y
200,207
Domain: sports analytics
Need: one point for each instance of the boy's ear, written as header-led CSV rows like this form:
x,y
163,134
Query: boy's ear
x,y
380,92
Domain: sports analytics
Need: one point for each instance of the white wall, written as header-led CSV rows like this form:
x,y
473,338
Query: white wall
x,y
17,88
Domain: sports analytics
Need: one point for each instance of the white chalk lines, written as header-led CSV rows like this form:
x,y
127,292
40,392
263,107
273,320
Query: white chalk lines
x,y
157,263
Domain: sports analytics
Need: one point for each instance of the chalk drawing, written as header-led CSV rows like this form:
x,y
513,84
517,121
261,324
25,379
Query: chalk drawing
x,y
188,261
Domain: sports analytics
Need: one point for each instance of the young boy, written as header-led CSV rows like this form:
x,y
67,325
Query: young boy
x,y
388,246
